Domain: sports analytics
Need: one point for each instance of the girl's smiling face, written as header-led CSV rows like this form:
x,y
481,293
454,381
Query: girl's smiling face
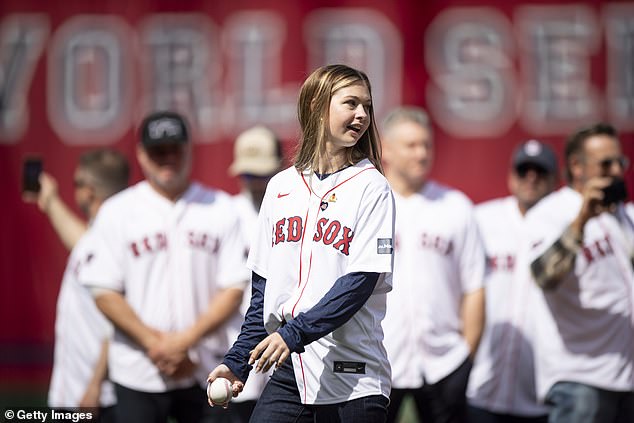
x,y
349,117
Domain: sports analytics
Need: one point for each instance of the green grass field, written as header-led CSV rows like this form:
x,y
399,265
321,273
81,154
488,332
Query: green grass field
x,y
408,413
22,395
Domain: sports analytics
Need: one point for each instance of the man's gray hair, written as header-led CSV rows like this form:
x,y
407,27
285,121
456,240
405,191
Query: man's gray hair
x,y
407,114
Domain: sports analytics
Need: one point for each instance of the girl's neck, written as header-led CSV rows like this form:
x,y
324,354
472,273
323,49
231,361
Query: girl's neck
x,y
332,161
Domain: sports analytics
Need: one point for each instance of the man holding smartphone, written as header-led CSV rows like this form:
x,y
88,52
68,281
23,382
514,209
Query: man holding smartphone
x,y
41,188
78,378
581,256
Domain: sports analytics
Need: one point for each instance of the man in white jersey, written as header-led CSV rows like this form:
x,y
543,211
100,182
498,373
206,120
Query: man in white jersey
x,y
79,373
167,270
581,256
502,382
257,156
435,312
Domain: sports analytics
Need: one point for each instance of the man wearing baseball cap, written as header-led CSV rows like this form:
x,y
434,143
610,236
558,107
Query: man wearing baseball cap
x,y
165,153
257,156
502,383
533,174
167,271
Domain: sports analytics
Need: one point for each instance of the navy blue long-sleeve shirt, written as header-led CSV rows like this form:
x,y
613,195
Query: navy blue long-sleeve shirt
x,y
348,294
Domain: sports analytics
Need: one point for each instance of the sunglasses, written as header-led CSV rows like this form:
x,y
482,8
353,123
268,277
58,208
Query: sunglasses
x,y
523,169
622,161
80,183
160,151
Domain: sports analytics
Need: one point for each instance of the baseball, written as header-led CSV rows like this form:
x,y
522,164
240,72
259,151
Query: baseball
x,y
219,391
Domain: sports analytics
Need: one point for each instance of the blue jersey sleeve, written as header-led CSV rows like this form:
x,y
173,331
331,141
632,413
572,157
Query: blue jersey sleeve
x,y
251,333
348,294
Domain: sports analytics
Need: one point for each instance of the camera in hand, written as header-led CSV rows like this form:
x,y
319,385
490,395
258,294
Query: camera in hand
x,y
31,170
614,193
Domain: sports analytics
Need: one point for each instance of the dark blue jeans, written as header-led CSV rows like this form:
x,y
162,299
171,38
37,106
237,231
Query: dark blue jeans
x,y
578,403
280,403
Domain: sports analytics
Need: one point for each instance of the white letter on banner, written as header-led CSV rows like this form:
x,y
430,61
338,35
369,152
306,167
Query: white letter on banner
x,y
181,70
22,39
619,27
90,80
556,44
361,38
253,42
468,52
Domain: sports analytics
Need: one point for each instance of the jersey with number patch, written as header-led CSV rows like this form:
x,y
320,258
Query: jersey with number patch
x,y
585,326
168,259
439,258
502,378
310,233
248,222
80,331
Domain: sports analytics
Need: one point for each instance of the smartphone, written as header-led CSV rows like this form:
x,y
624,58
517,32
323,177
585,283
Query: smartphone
x,y
614,193
31,170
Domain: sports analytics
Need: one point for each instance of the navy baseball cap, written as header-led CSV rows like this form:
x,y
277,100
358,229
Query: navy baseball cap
x,y
536,153
160,128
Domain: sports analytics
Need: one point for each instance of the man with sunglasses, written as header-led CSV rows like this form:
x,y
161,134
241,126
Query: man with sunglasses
x,y
82,333
502,382
581,256
167,270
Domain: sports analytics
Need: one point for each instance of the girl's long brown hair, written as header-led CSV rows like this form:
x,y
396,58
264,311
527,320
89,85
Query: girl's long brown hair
x,y
313,111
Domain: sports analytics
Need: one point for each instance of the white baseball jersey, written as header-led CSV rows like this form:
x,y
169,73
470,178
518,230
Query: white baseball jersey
x,y
502,378
80,330
248,223
168,259
439,258
585,327
310,233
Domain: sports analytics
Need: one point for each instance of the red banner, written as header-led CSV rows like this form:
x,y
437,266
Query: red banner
x,y
78,75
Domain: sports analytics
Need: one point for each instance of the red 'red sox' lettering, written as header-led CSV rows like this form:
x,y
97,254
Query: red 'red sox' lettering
x,y
288,230
597,249
149,244
294,229
291,229
331,232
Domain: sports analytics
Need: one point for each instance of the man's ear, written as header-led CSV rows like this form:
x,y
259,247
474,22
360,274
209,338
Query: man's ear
x,y
93,194
141,154
575,166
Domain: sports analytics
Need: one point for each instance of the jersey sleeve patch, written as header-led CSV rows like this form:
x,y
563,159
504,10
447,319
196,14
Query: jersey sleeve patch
x,y
384,246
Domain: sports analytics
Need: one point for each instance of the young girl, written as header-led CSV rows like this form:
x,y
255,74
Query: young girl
x,y
322,263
